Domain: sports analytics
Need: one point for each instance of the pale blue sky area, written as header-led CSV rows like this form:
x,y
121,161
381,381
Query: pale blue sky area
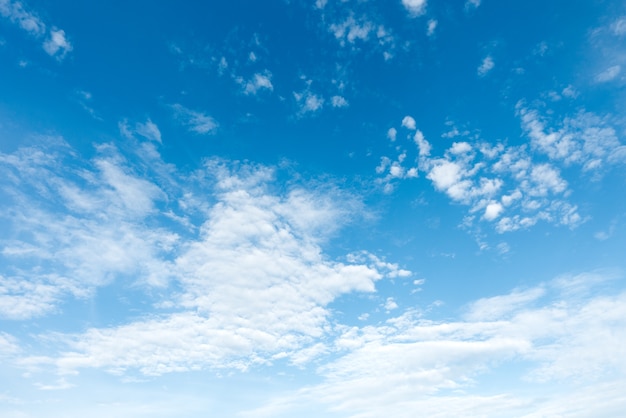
x,y
342,208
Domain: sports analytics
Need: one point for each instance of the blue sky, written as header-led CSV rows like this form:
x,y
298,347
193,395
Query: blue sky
x,y
343,208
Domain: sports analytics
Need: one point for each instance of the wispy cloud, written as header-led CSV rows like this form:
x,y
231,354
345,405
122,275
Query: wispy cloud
x,y
195,121
55,41
486,66
609,74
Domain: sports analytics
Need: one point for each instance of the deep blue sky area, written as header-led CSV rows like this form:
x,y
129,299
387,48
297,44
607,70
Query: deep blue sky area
x,y
341,208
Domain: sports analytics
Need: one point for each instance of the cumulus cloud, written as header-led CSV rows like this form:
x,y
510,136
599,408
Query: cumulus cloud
x,y
505,185
197,122
409,123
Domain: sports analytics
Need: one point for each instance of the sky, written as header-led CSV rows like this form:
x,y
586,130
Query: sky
x,y
290,208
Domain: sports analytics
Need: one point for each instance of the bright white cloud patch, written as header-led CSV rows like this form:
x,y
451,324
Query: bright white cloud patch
x,y
415,7
409,123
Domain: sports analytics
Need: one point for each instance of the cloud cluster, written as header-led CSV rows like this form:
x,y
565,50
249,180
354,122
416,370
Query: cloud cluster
x,y
411,364
357,28
513,187
240,263
55,42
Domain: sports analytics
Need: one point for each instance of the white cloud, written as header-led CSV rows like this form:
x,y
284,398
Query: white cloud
x,y
444,368
584,139
351,30
422,144
486,66
88,232
308,102
149,130
619,26
609,74
57,43
339,101
390,304
391,134
415,7
197,122
258,82
252,281
14,10
504,184
409,123
493,210
430,28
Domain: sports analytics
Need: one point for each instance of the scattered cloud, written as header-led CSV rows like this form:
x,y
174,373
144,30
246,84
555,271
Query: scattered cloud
x,y
339,101
512,187
415,7
308,102
584,139
357,28
259,81
486,66
55,42
197,122
28,21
